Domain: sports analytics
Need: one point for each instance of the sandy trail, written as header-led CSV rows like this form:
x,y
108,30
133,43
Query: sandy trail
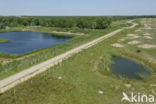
x,y
26,74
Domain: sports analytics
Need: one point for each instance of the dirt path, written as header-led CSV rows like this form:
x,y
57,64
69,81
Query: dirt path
x,y
68,33
22,76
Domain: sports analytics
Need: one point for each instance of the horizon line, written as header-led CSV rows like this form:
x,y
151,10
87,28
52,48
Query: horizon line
x,y
74,15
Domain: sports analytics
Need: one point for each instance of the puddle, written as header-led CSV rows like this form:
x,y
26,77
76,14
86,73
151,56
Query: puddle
x,y
128,68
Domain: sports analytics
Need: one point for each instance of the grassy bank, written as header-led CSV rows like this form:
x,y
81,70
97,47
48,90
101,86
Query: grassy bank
x,y
83,76
72,31
4,40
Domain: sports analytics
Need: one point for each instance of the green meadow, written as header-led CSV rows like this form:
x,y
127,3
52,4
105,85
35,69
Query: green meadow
x,y
80,78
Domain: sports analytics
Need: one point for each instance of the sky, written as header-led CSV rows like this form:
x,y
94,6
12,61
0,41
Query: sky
x,y
77,7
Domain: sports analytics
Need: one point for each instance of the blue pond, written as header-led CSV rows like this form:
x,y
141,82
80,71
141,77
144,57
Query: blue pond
x,y
24,42
128,68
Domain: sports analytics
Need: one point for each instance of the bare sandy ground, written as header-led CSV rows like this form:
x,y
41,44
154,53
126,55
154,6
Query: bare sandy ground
x,y
147,46
117,45
147,37
134,42
22,76
139,30
149,28
68,33
133,36
147,34
129,36
122,39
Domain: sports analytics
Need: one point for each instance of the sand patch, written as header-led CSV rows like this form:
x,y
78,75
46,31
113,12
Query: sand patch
x,y
117,45
68,33
122,39
129,35
134,42
133,36
147,37
147,34
139,30
148,28
147,46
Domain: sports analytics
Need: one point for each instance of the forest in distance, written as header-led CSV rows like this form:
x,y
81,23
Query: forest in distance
x,y
61,22
83,22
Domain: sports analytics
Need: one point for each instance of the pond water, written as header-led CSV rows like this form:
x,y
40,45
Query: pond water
x,y
128,68
24,42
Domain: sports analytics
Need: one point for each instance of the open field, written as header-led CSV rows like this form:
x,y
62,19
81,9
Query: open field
x,y
79,79
143,39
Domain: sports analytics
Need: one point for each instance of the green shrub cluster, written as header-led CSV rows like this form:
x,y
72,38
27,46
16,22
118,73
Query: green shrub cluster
x,y
62,22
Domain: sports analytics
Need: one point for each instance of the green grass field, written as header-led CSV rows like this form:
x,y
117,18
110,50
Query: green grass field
x,y
83,77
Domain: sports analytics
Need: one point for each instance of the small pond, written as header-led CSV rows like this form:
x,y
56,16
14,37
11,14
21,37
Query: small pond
x,y
24,42
128,68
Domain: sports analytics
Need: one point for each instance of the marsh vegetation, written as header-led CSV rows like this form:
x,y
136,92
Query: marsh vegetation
x,y
4,40
80,78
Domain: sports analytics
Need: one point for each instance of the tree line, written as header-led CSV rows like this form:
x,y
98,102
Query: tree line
x,y
61,22
83,22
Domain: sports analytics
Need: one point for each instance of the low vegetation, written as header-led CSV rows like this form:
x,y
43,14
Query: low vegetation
x,y
18,63
4,40
79,79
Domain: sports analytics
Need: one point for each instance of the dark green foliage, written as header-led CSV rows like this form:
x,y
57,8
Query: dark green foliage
x,y
114,18
61,22
83,22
